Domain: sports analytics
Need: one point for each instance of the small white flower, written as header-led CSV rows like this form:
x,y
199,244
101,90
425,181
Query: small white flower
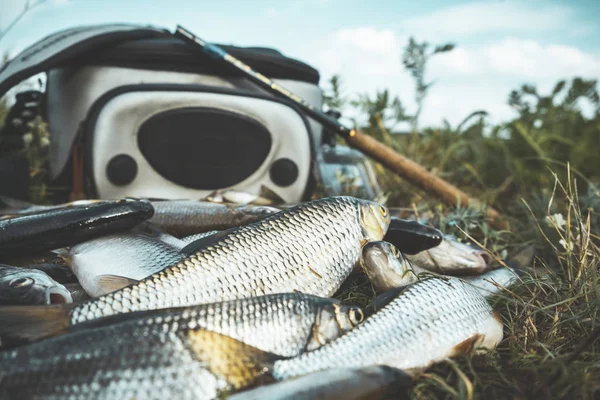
x,y
27,138
556,220
567,246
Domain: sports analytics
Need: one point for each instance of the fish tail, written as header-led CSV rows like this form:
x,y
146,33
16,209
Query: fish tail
x,y
22,324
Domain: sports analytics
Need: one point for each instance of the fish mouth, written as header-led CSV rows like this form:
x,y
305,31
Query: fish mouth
x,y
58,296
487,258
483,260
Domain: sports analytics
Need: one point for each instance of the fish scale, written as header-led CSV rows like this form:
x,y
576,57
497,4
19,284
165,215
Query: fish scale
x,y
427,322
187,217
107,359
88,367
325,235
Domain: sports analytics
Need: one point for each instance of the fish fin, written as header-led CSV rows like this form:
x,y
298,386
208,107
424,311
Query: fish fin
x,y
238,363
496,315
385,298
65,255
205,241
268,197
110,283
466,346
19,324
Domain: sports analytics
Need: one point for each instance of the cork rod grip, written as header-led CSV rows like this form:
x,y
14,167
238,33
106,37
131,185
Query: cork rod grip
x,y
418,175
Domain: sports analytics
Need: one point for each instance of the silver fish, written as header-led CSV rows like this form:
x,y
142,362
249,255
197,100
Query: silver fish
x,y
30,286
387,268
370,383
493,282
130,361
285,324
187,217
427,322
112,262
452,257
311,248
498,280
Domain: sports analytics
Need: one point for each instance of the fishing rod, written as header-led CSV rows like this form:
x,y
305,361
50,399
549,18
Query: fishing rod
x,y
402,166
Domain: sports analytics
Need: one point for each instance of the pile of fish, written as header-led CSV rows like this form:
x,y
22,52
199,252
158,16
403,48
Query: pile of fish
x,y
183,299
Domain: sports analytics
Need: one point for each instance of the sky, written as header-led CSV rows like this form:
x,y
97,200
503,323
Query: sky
x,y
500,44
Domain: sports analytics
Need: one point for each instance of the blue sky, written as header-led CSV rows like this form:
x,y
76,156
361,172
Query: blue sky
x,y
500,44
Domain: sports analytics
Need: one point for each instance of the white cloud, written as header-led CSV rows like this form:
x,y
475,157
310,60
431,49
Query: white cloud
x,y
513,57
363,51
466,79
487,17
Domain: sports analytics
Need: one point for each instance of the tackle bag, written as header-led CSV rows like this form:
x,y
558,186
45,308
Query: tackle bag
x,y
143,115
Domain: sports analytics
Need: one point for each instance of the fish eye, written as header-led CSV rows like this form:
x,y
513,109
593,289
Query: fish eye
x,y
382,211
21,282
355,315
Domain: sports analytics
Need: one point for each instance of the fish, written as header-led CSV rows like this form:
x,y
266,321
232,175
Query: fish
x,y
285,324
129,360
311,248
412,237
452,257
112,262
377,382
500,279
57,228
421,324
387,269
187,217
30,286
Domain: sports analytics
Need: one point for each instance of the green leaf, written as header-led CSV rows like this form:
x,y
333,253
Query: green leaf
x,y
529,139
559,86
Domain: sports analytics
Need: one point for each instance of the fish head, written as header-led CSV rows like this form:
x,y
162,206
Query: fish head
x,y
29,286
374,220
455,255
385,266
332,321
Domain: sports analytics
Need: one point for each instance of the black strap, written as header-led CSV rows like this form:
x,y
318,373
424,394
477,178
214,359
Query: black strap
x,y
66,45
